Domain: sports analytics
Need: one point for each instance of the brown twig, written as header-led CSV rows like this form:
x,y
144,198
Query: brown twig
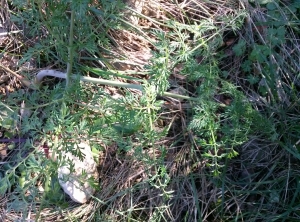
x,y
24,81
43,73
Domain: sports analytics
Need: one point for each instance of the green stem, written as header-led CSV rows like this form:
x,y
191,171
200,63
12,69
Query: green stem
x,y
70,50
44,73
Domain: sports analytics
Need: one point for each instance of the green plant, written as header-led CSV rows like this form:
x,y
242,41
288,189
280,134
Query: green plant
x,y
226,150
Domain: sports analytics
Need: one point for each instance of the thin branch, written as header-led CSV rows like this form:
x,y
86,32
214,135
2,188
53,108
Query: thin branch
x,y
44,73
24,81
53,73
70,50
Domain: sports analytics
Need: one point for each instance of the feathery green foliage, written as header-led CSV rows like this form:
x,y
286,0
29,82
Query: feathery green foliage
x,y
230,154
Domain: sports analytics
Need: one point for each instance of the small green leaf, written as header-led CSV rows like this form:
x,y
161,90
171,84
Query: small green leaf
x,y
3,186
240,48
252,79
271,6
247,66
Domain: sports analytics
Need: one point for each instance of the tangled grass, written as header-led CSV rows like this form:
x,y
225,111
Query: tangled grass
x,y
229,155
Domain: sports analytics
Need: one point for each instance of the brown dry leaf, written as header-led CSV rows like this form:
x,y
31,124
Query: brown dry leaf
x,y
3,151
230,41
3,78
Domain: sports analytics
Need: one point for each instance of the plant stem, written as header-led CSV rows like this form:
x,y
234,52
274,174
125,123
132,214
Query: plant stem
x,y
44,73
70,50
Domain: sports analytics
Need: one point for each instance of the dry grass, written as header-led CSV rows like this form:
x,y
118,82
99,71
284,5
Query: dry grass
x,y
258,185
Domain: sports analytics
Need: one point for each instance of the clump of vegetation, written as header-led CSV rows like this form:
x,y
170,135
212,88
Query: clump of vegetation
x,y
225,149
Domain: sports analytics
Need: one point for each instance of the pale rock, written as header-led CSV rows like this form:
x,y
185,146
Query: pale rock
x,y
76,184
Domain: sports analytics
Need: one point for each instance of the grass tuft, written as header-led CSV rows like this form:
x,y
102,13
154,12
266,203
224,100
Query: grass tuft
x,y
209,132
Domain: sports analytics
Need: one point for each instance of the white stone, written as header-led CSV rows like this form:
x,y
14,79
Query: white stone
x,y
76,184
